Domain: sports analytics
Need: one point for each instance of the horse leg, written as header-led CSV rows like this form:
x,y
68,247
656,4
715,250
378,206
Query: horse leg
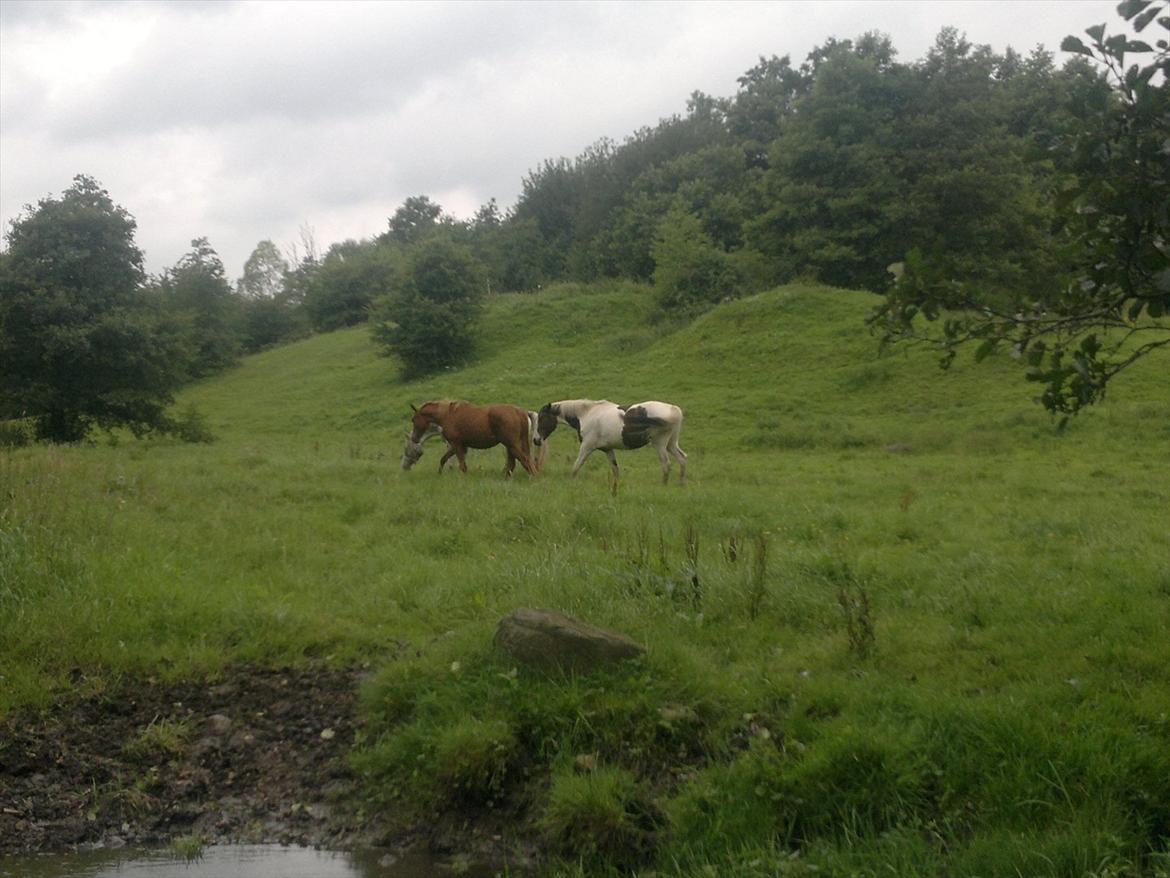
x,y
680,456
461,455
613,468
581,455
664,459
520,453
447,455
510,464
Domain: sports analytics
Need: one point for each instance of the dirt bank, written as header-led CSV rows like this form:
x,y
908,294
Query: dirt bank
x,y
257,755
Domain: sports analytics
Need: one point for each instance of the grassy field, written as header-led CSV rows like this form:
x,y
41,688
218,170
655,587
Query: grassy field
x,y
931,634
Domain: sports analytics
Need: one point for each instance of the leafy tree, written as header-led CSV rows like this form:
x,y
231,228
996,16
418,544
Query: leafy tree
x,y
765,99
429,319
973,196
270,299
550,197
689,269
80,344
833,203
197,292
417,218
264,273
352,274
519,251
1110,307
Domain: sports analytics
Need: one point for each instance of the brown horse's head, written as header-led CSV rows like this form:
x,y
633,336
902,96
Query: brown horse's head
x,y
411,452
423,427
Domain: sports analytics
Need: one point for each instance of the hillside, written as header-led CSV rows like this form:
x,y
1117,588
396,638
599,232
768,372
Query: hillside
x,y
929,630
791,368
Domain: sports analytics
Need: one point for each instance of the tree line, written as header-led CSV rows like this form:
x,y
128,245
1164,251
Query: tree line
x,y
1009,201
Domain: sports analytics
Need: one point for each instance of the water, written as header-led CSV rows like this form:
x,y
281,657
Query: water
x,y
235,861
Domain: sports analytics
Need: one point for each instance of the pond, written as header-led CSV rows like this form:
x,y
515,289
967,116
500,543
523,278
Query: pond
x,y
238,861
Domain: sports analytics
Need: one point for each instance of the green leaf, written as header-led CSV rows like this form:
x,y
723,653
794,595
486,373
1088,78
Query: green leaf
x,y
1127,9
1137,46
1145,18
984,349
1097,32
1073,44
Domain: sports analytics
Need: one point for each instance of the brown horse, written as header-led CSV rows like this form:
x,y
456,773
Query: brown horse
x,y
466,425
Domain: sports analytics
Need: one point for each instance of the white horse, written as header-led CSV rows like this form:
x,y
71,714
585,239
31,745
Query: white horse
x,y
602,425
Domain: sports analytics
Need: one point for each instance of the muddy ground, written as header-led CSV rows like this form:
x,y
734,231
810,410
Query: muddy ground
x,y
255,756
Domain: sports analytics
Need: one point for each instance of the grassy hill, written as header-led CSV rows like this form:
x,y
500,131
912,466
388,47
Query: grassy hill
x,y
930,634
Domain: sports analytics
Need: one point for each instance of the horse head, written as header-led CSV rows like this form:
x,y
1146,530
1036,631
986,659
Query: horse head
x,y
546,421
411,452
423,427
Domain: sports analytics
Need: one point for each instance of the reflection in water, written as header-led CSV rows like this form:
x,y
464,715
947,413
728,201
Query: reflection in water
x,y
231,861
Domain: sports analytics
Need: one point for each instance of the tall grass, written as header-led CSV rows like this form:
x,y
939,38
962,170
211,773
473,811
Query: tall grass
x,y
896,621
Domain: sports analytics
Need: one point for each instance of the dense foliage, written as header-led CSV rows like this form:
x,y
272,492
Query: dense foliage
x,y
80,343
1104,303
428,318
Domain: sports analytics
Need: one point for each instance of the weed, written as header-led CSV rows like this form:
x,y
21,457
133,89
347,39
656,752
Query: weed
x,y
598,816
758,583
162,739
472,760
854,602
187,847
691,543
731,549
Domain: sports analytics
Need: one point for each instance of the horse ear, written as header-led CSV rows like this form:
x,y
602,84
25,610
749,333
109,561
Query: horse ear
x,y
413,407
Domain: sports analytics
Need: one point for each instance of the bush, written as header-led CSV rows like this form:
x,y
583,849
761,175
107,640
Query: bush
x,y
15,434
689,269
472,760
429,320
598,816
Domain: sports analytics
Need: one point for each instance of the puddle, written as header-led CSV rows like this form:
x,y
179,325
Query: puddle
x,y
237,861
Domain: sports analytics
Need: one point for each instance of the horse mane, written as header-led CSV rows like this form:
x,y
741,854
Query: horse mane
x,y
440,407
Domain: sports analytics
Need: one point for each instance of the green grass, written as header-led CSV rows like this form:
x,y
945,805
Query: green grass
x,y
1008,715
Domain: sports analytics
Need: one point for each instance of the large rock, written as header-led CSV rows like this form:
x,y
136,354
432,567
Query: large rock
x,y
548,639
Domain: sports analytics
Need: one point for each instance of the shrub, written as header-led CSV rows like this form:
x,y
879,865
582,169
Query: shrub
x,y
598,816
472,760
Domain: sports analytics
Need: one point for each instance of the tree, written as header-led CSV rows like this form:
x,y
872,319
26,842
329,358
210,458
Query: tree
x,y
832,194
414,220
270,299
689,270
1109,308
345,283
198,293
264,273
80,344
429,319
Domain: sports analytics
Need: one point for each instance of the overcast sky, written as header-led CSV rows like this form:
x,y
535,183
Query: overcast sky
x,y
240,121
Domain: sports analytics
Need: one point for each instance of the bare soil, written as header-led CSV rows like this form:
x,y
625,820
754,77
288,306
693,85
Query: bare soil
x,y
256,755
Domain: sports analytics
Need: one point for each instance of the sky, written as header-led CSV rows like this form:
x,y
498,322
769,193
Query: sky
x,y
246,121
